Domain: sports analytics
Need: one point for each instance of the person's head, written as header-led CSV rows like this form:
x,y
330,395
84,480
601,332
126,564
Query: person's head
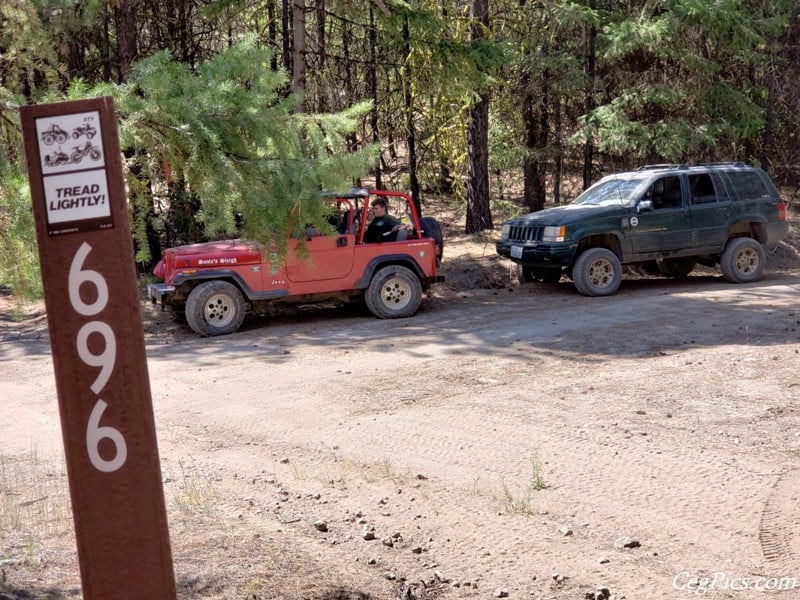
x,y
379,207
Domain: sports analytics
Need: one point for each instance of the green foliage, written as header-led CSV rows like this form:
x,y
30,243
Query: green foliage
x,y
19,258
237,144
216,135
684,78
28,56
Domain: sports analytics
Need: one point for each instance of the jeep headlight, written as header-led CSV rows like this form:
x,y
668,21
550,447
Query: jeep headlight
x,y
554,233
505,231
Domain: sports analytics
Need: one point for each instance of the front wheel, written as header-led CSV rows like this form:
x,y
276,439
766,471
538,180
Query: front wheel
x,y
742,260
597,272
215,308
394,292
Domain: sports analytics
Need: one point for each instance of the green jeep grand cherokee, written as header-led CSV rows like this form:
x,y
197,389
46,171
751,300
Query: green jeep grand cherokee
x,y
671,216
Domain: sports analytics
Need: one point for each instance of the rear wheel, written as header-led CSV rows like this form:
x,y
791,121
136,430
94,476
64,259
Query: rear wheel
x,y
394,292
597,272
215,308
742,260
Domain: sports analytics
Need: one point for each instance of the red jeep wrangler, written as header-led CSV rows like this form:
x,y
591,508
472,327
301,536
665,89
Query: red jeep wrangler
x,y
215,283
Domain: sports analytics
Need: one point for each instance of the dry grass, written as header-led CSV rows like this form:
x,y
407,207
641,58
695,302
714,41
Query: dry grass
x,y
216,556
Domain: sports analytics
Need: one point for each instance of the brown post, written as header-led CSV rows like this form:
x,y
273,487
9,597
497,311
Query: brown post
x,y
93,316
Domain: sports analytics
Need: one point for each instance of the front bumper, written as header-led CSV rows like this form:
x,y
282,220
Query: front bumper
x,y
158,293
538,255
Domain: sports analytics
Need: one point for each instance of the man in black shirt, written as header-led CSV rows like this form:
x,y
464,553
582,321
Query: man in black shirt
x,y
383,227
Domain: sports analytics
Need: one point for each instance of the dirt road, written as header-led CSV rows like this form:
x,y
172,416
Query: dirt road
x,y
499,442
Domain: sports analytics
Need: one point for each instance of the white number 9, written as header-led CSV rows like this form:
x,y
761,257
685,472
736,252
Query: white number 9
x,y
77,276
106,359
95,433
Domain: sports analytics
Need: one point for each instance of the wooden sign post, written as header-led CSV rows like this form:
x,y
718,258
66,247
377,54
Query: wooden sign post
x,y
93,316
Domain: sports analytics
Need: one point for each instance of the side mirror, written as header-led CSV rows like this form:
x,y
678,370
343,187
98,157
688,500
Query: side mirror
x,y
644,206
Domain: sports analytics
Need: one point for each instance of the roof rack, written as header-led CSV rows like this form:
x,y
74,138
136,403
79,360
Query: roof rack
x,y
662,166
732,163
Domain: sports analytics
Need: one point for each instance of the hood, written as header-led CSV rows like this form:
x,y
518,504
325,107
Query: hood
x,y
213,254
564,215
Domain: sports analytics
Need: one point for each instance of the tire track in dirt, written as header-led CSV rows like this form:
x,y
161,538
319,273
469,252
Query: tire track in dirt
x,y
779,529
612,479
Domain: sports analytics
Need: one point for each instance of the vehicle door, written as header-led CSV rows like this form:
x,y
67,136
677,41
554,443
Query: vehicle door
x,y
330,250
709,211
663,226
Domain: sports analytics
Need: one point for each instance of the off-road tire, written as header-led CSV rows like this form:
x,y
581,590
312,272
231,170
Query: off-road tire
x,y
676,267
597,272
215,308
431,229
394,292
742,260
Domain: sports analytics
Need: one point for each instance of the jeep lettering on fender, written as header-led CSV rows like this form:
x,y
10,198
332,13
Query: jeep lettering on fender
x,y
666,217
217,283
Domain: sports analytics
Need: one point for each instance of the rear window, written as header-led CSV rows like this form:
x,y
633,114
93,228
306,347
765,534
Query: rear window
x,y
747,184
702,189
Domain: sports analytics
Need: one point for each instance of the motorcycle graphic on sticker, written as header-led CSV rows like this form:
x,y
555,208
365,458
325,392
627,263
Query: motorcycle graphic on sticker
x,y
88,149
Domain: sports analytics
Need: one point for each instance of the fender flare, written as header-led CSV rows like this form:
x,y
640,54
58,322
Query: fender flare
x,y
388,259
234,277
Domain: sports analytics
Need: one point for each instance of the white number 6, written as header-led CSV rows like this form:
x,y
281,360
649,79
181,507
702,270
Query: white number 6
x,y
95,433
77,276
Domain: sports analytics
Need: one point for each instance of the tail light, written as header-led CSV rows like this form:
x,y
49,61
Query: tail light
x,y
781,210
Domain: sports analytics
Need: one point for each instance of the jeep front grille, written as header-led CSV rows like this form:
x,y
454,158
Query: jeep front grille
x,y
524,233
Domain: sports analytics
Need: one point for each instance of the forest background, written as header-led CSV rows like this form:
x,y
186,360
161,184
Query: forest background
x,y
248,108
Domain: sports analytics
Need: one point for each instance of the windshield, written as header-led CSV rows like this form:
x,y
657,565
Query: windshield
x,y
610,192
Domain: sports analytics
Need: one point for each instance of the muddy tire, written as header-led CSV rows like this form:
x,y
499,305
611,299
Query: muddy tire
x,y
215,308
742,260
597,272
393,293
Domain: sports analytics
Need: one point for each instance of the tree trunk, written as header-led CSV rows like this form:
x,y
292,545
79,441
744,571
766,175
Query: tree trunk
x,y
535,119
479,214
286,35
322,92
373,91
272,33
106,44
558,167
411,137
588,150
299,50
769,121
125,25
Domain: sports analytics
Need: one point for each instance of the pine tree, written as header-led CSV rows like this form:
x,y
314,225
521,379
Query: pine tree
x,y
238,145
